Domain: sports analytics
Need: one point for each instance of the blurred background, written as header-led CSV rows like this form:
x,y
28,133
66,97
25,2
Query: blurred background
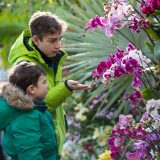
x,y
90,114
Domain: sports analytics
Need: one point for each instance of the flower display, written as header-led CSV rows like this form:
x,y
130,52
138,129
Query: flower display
x,y
122,62
135,136
118,14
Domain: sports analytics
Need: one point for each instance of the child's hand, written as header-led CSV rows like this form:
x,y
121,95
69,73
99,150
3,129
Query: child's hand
x,y
75,85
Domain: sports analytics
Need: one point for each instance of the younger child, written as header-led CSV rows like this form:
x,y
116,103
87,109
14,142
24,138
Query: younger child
x,y
30,135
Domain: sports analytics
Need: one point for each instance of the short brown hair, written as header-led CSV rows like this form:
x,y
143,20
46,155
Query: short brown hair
x,y
42,23
25,74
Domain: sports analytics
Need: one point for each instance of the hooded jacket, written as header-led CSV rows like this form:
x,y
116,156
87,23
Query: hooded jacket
x,y
28,132
24,50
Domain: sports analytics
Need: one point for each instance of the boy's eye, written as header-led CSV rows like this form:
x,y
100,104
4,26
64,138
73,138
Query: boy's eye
x,y
52,41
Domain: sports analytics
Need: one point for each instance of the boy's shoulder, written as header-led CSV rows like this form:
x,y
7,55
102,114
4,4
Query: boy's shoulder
x,y
27,119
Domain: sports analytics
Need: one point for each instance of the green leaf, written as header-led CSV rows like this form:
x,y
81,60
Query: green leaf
x,y
157,50
86,52
149,93
149,46
119,110
157,12
152,34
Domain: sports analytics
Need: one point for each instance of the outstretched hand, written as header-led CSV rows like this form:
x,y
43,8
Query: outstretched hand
x,y
75,85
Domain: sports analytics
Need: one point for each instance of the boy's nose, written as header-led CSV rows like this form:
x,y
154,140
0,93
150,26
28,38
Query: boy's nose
x,y
58,45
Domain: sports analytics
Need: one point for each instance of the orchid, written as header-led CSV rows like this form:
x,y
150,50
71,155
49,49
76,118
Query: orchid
x,y
136,135
124,62
119,14
150,6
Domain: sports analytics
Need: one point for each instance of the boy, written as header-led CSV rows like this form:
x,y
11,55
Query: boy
x,y
29,129
41,44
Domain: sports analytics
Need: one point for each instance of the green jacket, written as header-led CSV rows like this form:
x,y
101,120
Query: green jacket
x,y
29,133
58,91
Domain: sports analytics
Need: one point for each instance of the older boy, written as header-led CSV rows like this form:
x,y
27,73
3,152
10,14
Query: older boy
x,y
41,44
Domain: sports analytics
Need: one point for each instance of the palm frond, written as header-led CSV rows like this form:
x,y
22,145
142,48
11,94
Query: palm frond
x,y
86,52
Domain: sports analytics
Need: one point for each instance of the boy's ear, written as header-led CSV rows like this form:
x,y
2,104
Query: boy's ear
x,y
30,89
35,40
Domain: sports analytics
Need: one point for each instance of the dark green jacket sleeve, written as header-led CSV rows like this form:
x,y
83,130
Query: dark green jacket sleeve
x,y
56,96
27,138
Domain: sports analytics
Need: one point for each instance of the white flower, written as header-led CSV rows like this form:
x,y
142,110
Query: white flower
x,y
154,114
156,125
152,108
152,104
137,55
128,10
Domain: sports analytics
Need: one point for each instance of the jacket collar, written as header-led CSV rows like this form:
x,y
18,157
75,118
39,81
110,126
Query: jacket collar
x,y
15,97
40,105
45,58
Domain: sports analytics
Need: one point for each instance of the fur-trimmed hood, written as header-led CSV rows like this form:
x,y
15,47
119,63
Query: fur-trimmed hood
x,y
15,97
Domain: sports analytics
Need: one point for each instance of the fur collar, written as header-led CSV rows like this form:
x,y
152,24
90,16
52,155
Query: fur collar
x,y
15,97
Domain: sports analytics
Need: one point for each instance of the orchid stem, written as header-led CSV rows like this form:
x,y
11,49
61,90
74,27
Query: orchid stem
x,y
126,37
151,40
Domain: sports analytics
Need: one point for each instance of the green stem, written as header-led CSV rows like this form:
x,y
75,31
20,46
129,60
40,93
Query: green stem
x,y
148,67
155,78
148,81
157,18
142,81
126,37
151,40
149,58
133,43
139,1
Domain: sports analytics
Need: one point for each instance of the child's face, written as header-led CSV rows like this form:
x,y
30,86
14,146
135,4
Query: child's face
x,y
40,90
49,44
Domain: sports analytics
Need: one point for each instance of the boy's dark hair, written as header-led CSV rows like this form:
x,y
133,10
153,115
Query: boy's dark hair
x,y
43,23
25,74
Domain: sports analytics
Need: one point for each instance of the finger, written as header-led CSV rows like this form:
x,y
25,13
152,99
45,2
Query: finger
x,y
75,82
71,82
83,86
87,88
